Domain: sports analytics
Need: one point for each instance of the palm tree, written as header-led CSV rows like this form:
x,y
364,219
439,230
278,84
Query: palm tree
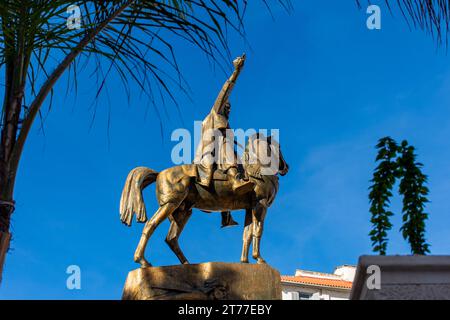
x,y
128,35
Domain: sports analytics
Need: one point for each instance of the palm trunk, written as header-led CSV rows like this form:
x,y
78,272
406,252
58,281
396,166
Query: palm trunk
x,y
12,108
6,209
7,172
15,76
12,139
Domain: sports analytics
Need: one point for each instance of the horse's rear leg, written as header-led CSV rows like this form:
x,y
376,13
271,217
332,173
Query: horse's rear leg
x,y
247,236
178,220
150,226
259,214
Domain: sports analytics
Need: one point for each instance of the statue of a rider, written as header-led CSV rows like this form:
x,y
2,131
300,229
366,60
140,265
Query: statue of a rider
x,y
216,148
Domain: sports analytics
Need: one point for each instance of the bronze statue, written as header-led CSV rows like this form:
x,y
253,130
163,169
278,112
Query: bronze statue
x,y
216,147
219,150
208,185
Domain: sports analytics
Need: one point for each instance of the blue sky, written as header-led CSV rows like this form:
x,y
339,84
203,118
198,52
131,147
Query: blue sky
x,y
330,85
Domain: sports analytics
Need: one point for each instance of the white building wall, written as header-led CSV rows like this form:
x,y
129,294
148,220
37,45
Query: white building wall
x,y
345,272
296,291
303,291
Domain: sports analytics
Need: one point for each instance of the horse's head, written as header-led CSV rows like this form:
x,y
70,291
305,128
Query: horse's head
x,y
265,154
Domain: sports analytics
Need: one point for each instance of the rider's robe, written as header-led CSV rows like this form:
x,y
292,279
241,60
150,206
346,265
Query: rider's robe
x,y
216,147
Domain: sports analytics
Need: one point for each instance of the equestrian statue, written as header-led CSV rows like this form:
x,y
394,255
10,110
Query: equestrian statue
x,y
217,181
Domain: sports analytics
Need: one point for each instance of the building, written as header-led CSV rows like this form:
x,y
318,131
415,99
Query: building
x,y
311,285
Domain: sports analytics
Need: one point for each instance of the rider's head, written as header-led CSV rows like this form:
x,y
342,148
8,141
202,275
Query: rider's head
x,y
226,109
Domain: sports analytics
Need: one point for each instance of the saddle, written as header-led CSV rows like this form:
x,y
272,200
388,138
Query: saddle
x,y
191,170
220,175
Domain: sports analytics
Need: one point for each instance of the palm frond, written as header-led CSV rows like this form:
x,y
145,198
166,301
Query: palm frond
x,y
432,16
132,43
128,37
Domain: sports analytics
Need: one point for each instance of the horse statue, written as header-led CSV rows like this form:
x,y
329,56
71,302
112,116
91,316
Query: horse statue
x,y
178,192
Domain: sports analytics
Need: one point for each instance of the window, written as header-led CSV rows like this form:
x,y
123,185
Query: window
x,y
299,295
304,295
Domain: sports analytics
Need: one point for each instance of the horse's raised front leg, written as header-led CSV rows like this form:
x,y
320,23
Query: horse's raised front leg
x,y
259,214
150,226
247,236
178,220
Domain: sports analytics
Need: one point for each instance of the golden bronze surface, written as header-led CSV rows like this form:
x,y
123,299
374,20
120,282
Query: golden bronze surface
x,y
208,187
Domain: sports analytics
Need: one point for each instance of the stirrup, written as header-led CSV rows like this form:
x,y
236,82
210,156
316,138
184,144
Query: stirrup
x,y
242,187
228,221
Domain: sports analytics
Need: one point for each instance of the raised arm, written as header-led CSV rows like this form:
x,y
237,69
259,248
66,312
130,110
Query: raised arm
x,y
222,98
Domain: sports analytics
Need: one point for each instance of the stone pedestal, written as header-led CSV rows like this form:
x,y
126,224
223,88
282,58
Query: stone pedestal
x,y
205,281
402,278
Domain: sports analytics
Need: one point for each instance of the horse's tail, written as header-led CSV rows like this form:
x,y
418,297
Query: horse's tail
x,y
132,201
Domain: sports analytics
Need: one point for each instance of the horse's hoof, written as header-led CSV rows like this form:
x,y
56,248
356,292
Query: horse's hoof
x,y
261,261
244,261
186,262
143,262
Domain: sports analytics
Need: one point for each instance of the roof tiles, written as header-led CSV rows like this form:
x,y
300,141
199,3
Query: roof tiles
x,y
335,283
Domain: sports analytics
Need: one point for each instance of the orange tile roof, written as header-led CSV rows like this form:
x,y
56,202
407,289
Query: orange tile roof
x,y
335,283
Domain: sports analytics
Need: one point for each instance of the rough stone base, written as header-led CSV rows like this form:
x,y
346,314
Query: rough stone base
x,y
402,278
206,281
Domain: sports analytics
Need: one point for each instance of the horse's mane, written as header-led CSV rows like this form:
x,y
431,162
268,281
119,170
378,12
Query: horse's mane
x,y
253,169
